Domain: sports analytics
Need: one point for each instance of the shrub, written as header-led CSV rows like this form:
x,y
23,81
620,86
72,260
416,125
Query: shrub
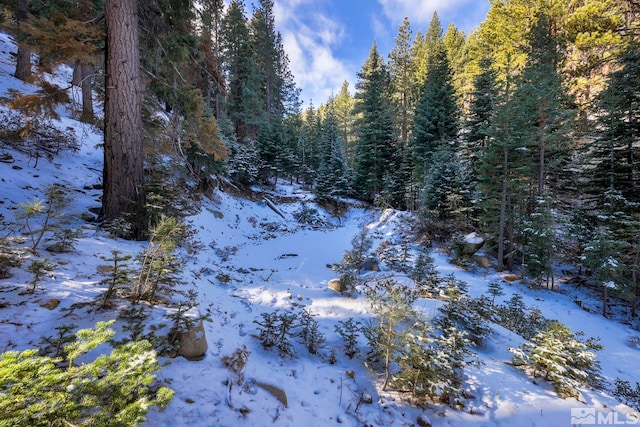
x,y
115,389
561,357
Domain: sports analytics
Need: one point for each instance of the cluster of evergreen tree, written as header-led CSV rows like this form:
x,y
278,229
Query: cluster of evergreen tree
x,y
527,129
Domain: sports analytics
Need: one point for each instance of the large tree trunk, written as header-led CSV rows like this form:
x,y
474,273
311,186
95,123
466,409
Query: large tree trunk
x,y
83,78
123,175
23,60
86,73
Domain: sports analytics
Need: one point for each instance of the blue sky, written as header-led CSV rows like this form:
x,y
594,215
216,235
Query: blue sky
x,y
327,41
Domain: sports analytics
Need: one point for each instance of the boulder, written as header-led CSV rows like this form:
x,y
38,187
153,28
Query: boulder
x,y
471,244
275,391
336,285
193,342
370,264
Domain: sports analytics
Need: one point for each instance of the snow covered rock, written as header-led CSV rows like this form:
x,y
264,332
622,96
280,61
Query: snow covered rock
x,y
193,342
472,243
336,285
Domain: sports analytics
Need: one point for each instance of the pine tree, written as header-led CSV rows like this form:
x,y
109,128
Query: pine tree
x,y
435,122
244,105
376,134
402,83
123,174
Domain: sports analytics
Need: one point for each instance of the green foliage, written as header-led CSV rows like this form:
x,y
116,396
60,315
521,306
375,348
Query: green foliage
x,y
40,216
349,330
10,256
113,390
392,303
40,269
159,264
626,393
424,274
561,357
276,330
376,141
309,333
119,277
495,290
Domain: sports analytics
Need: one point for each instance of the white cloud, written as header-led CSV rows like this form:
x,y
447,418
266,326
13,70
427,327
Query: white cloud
x,y
417,11
310,45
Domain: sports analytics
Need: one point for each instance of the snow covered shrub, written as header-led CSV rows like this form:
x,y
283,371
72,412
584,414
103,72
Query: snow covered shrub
x,y
42,216
119,277
456,313
10,256
277,330
558,355
626,393
425,276
395,256
309,334
349,330
309,216
115,389
39,269
392,302
160,266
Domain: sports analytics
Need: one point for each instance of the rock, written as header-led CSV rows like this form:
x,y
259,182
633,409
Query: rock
x,y
511,277
370,264
51,304
423,421
472,243
336,285
193,342
367,399
275,391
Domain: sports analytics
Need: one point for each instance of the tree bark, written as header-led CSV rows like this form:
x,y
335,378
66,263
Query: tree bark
x,y
23,59
123,174
86,83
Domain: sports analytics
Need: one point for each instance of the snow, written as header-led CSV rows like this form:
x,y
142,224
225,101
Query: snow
x,y
276,263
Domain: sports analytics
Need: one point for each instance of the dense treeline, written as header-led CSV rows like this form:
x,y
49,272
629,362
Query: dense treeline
x,y
527,129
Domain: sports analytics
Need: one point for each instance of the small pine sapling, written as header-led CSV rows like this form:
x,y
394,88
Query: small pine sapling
x,y
53,346
495,290
425,276
159,266
392,303
276,330
119,277
46,212
309,334
39,269
626,393
349,330
10,256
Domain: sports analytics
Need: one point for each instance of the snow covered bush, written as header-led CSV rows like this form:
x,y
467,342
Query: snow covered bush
x,y
115,389
626,393
349,330
561,357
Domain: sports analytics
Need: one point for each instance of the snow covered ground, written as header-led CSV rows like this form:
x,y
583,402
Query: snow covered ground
x,y
251,261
